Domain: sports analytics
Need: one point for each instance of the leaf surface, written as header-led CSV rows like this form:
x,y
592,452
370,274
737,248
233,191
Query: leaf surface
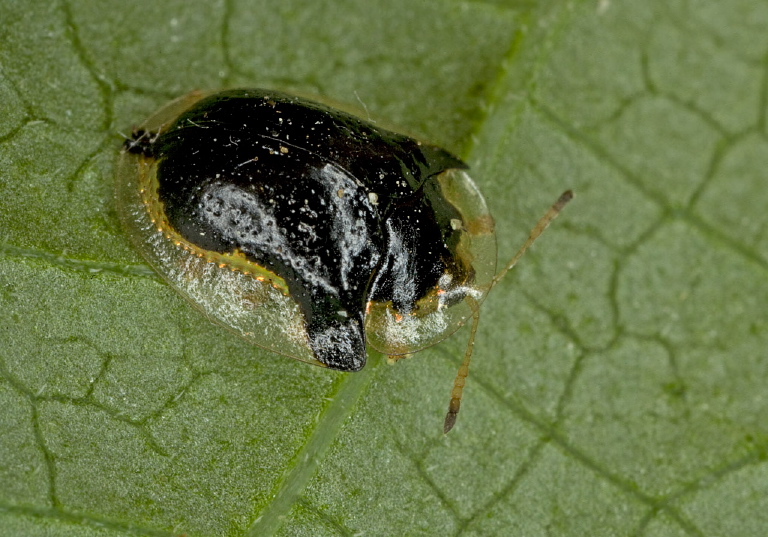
x,y
618,382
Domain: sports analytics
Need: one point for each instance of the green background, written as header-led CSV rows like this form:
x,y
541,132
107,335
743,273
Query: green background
x,y
620,378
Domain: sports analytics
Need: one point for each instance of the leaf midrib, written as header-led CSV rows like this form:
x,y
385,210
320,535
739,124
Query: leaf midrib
x,y
308,458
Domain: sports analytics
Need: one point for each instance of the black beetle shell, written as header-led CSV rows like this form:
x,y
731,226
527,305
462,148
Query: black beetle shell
x,y
343,211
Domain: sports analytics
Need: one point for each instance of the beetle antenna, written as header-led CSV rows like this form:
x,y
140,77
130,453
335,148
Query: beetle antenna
x,y
461,375
537,230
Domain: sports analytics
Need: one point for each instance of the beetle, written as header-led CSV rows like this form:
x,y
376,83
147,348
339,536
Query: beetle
x,y
310,231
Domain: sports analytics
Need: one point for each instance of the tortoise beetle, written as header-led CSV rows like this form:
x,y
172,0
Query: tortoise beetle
x,y
309,231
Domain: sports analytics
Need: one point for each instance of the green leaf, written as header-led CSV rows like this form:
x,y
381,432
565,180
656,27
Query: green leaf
x,y
618,382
